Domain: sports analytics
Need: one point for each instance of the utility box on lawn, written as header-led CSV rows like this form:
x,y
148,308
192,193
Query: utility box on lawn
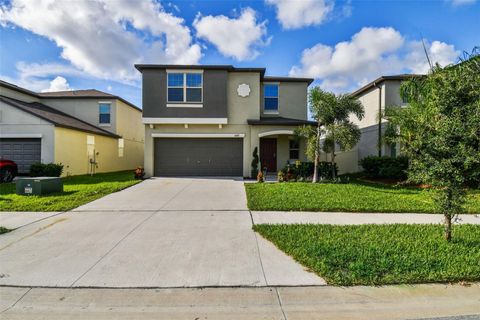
x,y
39,186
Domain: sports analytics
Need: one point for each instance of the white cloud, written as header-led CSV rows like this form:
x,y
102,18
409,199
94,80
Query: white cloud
x,y
296,14
28,71
105,38
58,84
457,3
370,53
238,38
438,52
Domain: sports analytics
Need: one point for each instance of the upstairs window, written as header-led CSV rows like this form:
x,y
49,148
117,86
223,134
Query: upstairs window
x,y
104,113
294,150
270,93
184,87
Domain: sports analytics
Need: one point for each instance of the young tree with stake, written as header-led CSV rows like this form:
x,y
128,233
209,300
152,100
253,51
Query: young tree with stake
x,y
440,133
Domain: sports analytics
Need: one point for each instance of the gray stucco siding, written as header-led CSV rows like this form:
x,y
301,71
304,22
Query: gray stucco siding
x,y
214,96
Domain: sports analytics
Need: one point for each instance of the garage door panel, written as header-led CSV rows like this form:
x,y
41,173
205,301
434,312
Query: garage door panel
x,y
198,157
21,150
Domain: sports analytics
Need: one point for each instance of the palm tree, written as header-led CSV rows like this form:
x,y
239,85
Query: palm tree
x,y
332,112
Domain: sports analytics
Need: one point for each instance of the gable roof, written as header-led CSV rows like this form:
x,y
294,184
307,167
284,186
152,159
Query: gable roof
x,y
75,94
56,117
17,88
381,79
85,94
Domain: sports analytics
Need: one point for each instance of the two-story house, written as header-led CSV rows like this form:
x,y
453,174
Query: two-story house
x,y
206,120
85,130
375,96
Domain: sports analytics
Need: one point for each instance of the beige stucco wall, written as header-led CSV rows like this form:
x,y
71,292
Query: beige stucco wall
x,y
292,100
85,109
72,151
240,109
17,123
4,91
132,130
347,161
369,101
392,93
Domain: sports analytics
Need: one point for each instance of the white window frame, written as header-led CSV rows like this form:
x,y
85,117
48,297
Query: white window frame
x,y
110,113
278,98
185,103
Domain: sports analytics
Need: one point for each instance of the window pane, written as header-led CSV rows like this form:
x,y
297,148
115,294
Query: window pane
x,y
271,104
271,90
294,154
194,79
294,144
175,79
194,95
175,94
104,107
104,118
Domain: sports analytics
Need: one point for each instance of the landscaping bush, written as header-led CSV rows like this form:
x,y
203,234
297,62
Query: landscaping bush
x,y
385,167
304,170
46,169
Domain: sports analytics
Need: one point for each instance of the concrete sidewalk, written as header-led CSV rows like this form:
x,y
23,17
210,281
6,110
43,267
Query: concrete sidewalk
x,y
352,303
349,218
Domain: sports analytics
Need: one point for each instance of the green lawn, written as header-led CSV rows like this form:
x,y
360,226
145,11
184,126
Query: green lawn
x,y
355,196
4,230
78,190
381,254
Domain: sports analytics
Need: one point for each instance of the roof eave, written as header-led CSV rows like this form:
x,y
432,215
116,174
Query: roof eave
x,y
381,79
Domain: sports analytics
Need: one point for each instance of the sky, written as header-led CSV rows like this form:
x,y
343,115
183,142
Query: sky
x,y
52,45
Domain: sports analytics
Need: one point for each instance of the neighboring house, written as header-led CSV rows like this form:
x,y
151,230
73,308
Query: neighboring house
x,y
206,120
375,96
85,130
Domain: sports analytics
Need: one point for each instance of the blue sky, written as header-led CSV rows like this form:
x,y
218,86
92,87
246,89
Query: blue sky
x,y
342,44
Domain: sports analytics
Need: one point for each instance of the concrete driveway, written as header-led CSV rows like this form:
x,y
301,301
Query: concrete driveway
x,y
163,232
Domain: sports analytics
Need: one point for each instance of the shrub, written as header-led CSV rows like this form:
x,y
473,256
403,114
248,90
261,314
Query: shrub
x,y
254,171
46,169
303,170
385,167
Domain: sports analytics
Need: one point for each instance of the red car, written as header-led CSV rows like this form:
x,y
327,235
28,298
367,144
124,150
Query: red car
x,y
8,170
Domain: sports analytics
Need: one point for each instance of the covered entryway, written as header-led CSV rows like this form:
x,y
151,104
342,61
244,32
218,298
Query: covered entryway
x,y
268,154
24,151
198,157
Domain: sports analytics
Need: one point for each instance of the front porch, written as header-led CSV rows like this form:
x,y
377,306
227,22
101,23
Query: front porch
x,y
278,148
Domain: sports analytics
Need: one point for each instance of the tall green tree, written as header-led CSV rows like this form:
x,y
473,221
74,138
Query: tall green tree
x,y
332,114
440,132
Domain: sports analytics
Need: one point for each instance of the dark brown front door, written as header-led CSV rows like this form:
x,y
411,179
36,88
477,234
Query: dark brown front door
x,y
268,154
